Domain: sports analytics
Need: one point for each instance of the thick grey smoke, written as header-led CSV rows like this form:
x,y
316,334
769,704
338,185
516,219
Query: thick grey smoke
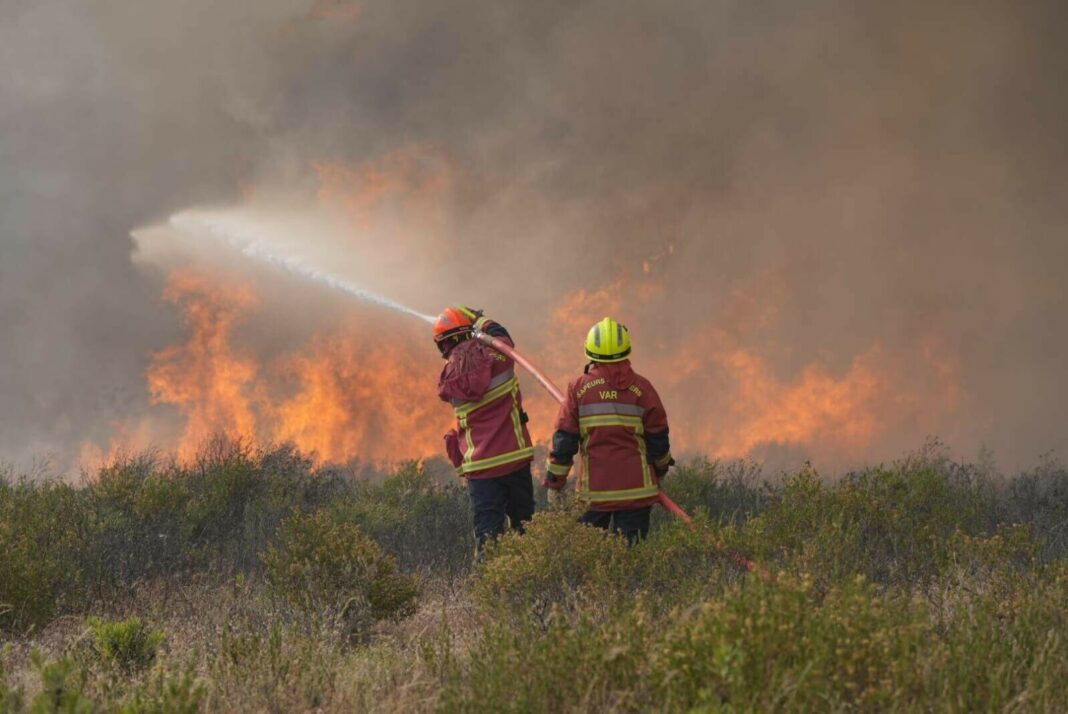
x,y
803,179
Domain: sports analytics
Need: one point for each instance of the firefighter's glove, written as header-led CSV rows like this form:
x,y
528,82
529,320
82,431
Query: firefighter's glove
x,y
662,471
452,448
554,482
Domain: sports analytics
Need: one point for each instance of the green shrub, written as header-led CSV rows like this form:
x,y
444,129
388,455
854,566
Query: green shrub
x,y
258,665
1005,647
582,665
126,644
783,646
63,687
324,566
11,696
1039,497
723,491
425,525
165,692
558,566
46,536
891,526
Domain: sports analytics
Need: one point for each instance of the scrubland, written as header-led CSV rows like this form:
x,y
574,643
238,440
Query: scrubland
x,y
252,580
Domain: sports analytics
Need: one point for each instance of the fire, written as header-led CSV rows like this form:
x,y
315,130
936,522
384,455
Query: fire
x,y
725,399
345,395
203,377
406,185
360,396
350,393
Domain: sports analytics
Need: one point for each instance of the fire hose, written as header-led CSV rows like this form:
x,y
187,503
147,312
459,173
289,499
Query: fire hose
x,y
669,505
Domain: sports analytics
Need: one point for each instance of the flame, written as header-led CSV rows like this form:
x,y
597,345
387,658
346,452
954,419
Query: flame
x,y
407,185
203,377
344,395
361,397
725,399
349,394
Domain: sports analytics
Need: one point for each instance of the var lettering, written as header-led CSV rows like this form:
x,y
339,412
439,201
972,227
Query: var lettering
x,y
612,394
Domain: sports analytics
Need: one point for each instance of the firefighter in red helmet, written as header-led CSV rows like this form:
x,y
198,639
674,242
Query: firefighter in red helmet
x,y
616,419
490,446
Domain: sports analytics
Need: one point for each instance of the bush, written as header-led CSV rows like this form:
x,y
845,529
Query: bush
x,y
260,665
11,696
582,665
724,492
126,644
558,566
1039,497
63,687
425,525
783,646
45,542
165,693
891,526
323,566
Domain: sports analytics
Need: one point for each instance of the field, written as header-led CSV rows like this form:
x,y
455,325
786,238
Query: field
x,y
253,580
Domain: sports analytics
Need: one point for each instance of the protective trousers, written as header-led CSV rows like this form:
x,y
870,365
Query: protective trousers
x,y
501,501
633,523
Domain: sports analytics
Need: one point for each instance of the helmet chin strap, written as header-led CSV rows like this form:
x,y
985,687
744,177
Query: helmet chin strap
x,y
446,345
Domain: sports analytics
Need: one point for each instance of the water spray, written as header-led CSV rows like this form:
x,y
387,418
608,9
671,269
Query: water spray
x,y
243,237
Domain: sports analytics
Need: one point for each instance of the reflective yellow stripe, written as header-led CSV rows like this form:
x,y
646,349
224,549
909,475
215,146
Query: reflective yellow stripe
x,y
590,422
489,463
664,460
647,473
465,427
480,323
558,469
648,488
517,420
491,396
584,477
627,494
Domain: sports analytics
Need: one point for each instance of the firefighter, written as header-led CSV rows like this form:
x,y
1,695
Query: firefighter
x,y
616,419
490,446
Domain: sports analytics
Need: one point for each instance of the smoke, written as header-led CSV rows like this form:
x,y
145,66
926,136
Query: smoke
x,y
858,206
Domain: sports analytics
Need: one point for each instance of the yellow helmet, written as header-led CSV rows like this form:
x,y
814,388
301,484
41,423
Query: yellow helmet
x,y
608,341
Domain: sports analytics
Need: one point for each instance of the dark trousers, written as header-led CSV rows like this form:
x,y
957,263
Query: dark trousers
x,y
633,523
499,501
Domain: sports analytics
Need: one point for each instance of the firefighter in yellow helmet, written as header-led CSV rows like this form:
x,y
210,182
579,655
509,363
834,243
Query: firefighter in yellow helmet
x,y
615,418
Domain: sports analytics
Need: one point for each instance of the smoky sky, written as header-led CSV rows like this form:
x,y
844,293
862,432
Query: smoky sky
x,y
880,171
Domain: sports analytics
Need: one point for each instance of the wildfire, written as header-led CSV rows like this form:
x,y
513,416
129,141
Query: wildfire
x,y
208,382
406,185
354,391
360,396
345,395
726,400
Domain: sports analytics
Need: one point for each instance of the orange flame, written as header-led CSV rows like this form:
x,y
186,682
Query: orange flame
x,y
407,183
343,396
357,397
203,377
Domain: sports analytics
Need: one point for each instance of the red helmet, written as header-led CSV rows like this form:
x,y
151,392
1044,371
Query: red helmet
x,y
454,325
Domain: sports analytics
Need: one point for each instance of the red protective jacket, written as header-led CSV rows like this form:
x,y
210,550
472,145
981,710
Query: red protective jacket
x,y
615,417
491,438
